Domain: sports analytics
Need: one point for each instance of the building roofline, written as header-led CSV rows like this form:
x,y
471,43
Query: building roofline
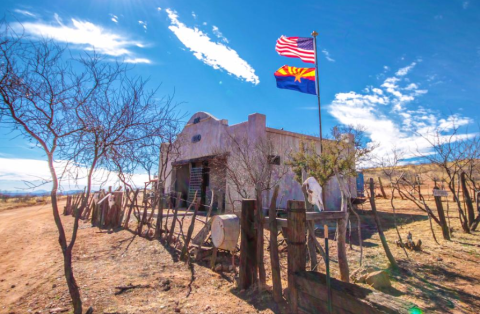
x,y
293,134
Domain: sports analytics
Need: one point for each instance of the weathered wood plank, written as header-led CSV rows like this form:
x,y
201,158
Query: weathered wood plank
x,y
274,259
248,245
313,305
349,296
296,248
326,215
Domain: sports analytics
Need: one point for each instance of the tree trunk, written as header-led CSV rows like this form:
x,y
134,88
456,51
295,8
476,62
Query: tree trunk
x,y
71,282
468,199
381,188
66,251
390,257
441,216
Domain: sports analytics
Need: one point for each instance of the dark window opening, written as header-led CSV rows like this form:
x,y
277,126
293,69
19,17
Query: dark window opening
x,y
274,159
196,120
196,138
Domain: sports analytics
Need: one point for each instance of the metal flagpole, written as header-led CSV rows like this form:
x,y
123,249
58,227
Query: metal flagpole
x,y
314,34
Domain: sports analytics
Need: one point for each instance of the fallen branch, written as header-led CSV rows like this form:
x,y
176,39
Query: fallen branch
x,y
122,289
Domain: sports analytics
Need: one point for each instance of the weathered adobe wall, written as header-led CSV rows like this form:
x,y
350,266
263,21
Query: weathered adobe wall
x,y
215,135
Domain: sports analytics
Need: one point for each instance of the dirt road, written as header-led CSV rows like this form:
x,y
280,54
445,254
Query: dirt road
x,y
31,272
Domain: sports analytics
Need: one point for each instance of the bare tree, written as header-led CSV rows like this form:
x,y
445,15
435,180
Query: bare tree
x,y
38,96
453,154
83,110
389,167
252,167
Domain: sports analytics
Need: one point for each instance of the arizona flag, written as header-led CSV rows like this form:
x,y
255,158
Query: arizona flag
x,y
299,79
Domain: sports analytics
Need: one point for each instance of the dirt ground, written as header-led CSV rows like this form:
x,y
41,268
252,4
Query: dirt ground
x,y
443,278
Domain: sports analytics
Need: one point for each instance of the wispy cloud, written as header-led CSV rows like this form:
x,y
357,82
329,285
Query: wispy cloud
x,y
114,18
327,55
84,35
194,15
216,55
389,118
137,60
24,12
404,71
219,34
465,4
144,24
17,171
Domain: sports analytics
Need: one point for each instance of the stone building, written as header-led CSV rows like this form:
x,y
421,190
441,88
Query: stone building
x,y
199,144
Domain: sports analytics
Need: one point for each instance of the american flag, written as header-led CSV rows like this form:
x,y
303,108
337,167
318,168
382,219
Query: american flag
x,y
296,47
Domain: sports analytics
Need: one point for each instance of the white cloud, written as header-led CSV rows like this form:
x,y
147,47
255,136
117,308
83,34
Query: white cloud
x,y
404,71
194,15
144,24
204,23
16,171
137,60
327,55
388,120
83,35
159,9
24,12
412,86
216,55
219,34
114,18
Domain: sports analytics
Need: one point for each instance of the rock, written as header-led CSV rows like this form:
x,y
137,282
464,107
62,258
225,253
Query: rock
x,y
58,310
177,310
378,279
359,274
12,286
218,267
207,308
54,286
165,282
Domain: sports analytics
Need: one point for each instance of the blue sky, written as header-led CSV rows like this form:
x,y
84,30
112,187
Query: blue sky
x,y
398,68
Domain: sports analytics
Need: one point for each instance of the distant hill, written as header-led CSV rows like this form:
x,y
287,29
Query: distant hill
x,y
38,192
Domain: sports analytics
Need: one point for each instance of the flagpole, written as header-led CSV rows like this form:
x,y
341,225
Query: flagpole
x,y
314,34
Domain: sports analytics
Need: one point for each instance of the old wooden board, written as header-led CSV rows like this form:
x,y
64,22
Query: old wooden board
x,y
346,297
326,215
441,193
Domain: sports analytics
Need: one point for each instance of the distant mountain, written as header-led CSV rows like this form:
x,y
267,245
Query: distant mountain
x,y
38,192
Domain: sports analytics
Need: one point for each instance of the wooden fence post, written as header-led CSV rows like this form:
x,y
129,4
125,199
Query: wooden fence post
x,y
175,213
190,231
248,245
441,216
296,247
342,248
127,220
274,259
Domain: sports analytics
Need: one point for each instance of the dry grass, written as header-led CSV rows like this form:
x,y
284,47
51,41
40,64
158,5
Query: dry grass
x,y
443,278
12,202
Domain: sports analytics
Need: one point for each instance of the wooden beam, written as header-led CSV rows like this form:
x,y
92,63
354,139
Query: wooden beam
x,y
325,215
